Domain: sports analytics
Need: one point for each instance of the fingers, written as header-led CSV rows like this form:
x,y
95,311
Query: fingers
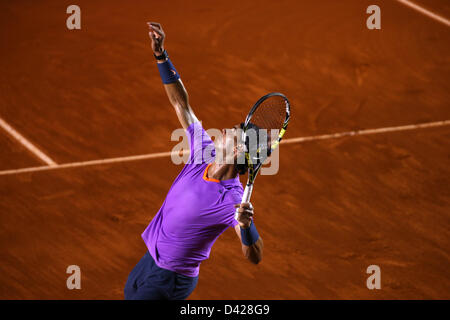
x,y
156,27
245,214
244,205
156,31
156,24
245,208
153,34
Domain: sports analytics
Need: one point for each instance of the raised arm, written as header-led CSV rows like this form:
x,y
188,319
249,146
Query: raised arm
x,y
176,92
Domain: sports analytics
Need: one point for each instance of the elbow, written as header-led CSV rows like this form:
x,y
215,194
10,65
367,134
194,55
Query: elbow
x,y
254,253
255,257
255,260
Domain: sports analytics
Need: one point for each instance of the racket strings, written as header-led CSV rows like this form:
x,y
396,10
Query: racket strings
x,y
270,115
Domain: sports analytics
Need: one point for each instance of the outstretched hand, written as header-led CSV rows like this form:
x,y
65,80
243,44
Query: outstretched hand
x,y
157,36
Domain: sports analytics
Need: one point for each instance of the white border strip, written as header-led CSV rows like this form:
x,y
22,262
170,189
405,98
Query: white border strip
x,y
425,12
287,141
27,144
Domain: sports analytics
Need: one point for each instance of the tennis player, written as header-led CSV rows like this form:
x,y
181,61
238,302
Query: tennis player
x,y
199,206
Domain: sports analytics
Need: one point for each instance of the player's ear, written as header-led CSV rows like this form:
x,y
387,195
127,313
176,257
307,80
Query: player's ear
x,y
241,163
239,148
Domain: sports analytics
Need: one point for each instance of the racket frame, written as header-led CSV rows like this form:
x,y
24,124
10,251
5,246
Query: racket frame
x,y
253,170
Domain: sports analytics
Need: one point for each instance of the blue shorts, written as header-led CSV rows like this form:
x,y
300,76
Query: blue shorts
x,y
147,281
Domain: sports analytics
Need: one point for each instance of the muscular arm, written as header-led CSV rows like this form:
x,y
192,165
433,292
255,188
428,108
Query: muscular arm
x,y
254,252
176,92
178,97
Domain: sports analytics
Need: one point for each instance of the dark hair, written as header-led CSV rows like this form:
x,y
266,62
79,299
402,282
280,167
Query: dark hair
x,y
242,162
241,166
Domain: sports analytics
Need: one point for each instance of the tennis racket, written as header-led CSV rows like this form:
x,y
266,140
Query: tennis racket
x,y
271,113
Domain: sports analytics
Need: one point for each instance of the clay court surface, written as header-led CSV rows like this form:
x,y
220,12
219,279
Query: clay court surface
x,y
335,207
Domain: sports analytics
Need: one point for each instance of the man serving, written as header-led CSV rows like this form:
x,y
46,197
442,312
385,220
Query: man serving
x,y
199,206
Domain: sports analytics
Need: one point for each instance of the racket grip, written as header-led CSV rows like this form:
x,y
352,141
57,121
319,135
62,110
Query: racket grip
x,y
245,198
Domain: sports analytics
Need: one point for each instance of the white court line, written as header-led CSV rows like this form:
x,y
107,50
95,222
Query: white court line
x,y
91,162
27,144
426,12
286,141
368,131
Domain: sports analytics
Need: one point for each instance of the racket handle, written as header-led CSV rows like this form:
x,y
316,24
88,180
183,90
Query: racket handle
x,y
245,198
